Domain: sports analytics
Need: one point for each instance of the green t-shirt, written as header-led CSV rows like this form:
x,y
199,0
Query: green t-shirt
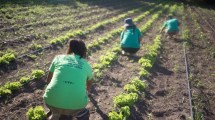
x,y
130,38
171,25
67,88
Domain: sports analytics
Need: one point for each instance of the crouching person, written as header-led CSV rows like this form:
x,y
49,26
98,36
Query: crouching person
x,y
69,80
130,38
171,26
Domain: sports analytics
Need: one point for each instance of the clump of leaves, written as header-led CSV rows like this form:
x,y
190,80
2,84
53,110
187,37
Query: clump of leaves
x,y
123,114
4,91
13,85
140,85
35,46
115,116
143,72
6,58
135,85
37,113
125,99
24,79
37,74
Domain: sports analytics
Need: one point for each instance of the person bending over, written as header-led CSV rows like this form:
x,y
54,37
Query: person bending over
x,y
70,77
130,38
171,26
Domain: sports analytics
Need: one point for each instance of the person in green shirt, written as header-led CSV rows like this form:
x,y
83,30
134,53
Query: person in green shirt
x,y
171,26
69,80
130,38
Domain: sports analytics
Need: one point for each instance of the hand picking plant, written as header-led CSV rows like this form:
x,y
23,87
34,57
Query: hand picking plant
x,y
37,113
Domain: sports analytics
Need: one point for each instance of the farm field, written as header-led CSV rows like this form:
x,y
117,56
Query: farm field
x,y
177,74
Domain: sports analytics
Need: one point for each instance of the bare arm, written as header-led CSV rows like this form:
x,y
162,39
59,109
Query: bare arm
x,y
162,29
89,84
48,80
140,39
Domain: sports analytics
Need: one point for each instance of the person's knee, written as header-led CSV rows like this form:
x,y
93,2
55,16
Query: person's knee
x,y
83,115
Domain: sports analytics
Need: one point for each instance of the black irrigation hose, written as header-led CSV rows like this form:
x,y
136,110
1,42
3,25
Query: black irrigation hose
x,y
188,82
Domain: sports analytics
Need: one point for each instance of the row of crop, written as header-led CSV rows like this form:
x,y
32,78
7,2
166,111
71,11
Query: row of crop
x,y
103,63
50,20
121,100
110,35
68,21
104,60
71,34
135,89
10,87
71,16
55,29
35,13
30,34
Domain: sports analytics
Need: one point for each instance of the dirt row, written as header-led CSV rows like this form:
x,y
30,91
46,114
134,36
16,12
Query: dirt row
x,y
201,64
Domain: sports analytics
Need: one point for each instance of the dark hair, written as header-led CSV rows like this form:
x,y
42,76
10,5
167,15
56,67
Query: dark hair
x,y
133,27
77,47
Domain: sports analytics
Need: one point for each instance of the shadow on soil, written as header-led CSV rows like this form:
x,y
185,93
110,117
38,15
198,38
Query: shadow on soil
x,y
27,88
98,110
6,68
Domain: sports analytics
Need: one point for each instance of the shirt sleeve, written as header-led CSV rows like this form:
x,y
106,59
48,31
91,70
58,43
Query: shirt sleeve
x,y
53,64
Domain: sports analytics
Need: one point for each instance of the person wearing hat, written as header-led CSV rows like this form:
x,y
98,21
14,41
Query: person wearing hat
x,y
130,37
171,26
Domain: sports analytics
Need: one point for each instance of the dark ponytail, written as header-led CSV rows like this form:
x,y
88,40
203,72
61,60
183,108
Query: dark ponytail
x,y
77,47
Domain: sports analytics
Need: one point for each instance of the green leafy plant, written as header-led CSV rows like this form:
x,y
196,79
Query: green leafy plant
x,y
13,85
125,99
7,58
115,116
4,91
37,74
130,88
145,63
35,46
123,114
140,85
24,79
37,113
